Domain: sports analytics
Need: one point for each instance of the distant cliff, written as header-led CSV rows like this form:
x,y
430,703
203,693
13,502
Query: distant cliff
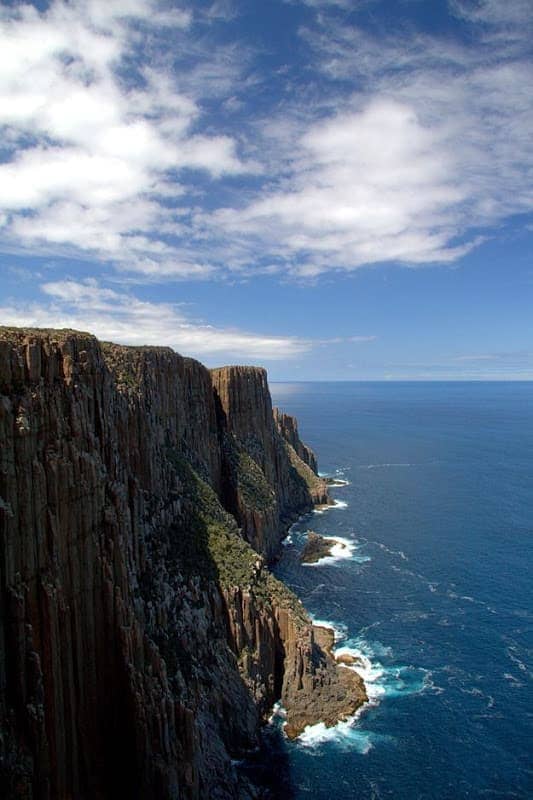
x,y
142,637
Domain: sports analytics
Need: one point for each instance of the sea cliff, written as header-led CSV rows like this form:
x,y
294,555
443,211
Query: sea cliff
x,y
143,639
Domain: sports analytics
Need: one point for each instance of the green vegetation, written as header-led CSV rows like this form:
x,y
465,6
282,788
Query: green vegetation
x,y
122,362
248,477
206,542
206,539
312,481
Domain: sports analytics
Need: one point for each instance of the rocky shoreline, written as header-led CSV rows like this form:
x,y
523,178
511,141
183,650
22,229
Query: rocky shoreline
x,y
318,547
143,639
335,482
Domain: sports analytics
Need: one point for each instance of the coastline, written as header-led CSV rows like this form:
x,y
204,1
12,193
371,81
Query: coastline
x,y
147,497
326,637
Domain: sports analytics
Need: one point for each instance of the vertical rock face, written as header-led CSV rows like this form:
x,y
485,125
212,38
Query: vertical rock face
x,y
288,428
266,483
141,638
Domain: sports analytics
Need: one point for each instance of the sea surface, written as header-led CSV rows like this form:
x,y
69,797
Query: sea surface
x,y
433,589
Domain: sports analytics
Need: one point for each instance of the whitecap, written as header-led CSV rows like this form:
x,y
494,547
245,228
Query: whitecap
x,y
383,681
339,630
345,734
338,472
380,682
511,653
342,549
513,680
337,504
384,466
278,712
391,551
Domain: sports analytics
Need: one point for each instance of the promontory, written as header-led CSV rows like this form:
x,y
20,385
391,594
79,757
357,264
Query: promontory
x,y
143,639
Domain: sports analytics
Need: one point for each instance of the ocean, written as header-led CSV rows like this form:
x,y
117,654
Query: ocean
x,y
433,590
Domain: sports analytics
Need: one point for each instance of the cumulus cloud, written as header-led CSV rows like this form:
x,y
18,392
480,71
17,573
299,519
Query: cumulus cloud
x,y
122,317
399,147
371,185
417,164
90,146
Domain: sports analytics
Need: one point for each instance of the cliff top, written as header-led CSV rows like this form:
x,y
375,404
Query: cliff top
x,y
18,334
236,368
8,333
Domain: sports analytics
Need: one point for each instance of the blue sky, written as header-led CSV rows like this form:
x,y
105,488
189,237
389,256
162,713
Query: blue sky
x,y
336,189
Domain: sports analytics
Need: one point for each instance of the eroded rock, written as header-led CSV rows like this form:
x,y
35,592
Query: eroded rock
x,y
142,639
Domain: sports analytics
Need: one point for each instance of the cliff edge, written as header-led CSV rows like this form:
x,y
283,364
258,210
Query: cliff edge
x,y
142,637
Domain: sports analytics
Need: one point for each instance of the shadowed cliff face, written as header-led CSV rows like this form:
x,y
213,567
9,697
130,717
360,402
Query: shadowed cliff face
x,y
266,484
288,428
142,639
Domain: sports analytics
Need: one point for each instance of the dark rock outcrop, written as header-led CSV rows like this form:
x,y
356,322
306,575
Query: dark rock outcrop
x,y
288,427
317,547
315,689
266,484
142,638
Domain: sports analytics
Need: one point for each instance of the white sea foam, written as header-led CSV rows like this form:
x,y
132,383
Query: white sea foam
x,y
339,473
339,630
381,682
369,672
384,466
391,551
345,734
342,549
278,712
513,680
337,504
511,653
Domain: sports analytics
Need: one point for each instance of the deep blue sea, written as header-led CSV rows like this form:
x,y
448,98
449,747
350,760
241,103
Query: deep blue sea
x,y
434,591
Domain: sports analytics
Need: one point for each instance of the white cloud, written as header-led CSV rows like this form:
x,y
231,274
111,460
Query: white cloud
x,y
403,147
347,340
494,12
345,4
415,166
482,357
80,145
122,317
369,185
